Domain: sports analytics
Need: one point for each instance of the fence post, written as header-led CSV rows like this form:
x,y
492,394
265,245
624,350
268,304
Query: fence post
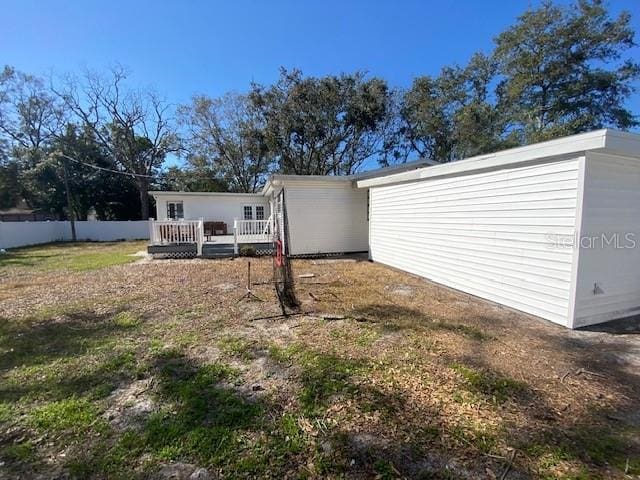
x,y
235,237
152,239
200,235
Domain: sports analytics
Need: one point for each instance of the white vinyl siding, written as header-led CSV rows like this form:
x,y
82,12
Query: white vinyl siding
x,y
225,207
611,207
326,217
486,233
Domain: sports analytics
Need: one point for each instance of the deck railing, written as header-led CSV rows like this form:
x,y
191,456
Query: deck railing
x,y
176,232
252,231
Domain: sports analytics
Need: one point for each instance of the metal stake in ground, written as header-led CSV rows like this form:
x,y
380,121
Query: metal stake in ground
x,y
249,295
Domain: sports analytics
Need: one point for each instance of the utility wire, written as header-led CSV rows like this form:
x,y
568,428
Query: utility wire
x,y
120,172
104,169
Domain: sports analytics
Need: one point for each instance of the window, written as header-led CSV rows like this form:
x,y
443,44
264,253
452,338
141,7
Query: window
x,y
175,210
247,212
259,212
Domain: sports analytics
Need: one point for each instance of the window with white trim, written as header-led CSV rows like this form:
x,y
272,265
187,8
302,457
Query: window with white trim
x,y
175,210
259,212
247,212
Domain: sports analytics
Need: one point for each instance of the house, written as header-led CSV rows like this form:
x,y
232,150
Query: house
x,y
325,215
550,229
22,213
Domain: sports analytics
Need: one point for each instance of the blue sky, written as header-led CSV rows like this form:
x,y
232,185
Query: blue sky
x,y
181,48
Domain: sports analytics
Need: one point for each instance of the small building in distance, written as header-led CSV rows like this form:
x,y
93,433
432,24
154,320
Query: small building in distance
x,y
22,213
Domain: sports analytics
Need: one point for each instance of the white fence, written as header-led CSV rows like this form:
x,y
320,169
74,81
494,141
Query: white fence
x,y
18,234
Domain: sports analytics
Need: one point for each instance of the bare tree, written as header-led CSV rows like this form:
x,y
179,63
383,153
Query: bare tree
x,y
225,134
135,127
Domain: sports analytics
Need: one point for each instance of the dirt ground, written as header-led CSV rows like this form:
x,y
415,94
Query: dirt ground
x,y
162,369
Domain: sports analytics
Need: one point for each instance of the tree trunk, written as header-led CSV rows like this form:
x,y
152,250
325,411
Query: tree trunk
x,y
143,189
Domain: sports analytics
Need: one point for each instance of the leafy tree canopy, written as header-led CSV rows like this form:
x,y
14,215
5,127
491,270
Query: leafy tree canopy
x,y
563,72
323,126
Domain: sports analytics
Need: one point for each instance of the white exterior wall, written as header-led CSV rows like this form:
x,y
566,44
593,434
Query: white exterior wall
x,y
326,217
485,233
19,234
213,208
608,277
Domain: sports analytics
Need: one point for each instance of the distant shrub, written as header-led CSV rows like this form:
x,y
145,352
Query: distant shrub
x,y
247,251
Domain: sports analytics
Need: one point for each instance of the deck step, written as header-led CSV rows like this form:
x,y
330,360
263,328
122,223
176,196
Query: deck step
x,y
217,251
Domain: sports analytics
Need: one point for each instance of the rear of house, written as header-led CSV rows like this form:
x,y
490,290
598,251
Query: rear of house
x,y
213,207
548,229
326,215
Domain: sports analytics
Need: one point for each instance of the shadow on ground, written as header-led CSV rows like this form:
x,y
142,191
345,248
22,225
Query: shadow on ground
x,y
623,326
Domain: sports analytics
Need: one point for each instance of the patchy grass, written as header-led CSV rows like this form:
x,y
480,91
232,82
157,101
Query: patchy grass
x,y
283,355
496,388
6,412
193,428
324,376
80,256
126,320
467,330
236,346
72,415
570,456
20,452
123,372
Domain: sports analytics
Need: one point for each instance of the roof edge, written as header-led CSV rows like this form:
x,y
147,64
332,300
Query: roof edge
x,y
208,194
625,142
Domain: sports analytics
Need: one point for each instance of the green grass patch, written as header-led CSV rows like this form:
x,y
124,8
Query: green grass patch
x,y
284,355
585,445
81,256
604,447
6,412
19,452
201,421
499,389
291,435
367,337
126,319
482,439
207,417
73,415
465,330
384,470
111,460
119,363
82,354
323,376
237,347
362,335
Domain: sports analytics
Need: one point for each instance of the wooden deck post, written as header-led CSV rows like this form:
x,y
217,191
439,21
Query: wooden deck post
x,y
235,237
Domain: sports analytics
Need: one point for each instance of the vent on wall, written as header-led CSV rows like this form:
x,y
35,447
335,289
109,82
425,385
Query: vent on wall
x,y
596,289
